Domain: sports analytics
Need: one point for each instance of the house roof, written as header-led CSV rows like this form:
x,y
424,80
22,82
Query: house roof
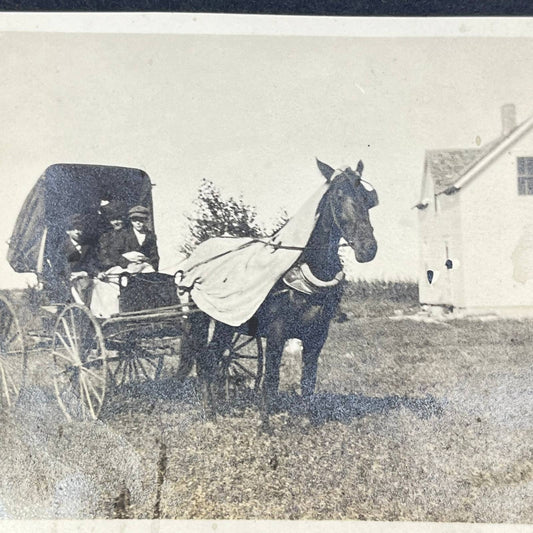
x,y
446,167
451,169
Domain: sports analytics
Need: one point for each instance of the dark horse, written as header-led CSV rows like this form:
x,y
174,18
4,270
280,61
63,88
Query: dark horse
x,y
287,312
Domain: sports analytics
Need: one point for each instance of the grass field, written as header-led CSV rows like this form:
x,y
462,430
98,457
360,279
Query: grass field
x,y
411,421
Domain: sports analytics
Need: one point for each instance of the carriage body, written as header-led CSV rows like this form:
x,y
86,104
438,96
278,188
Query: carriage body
x,y
84,354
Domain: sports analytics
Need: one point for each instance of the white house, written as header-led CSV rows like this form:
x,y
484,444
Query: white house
x,y
476,224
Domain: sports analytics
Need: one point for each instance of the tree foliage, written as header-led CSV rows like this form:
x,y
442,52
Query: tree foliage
x,y
217,215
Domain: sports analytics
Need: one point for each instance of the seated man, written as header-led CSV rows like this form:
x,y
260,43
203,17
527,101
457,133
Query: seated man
x,y
139,243
81,259
123,249
112,243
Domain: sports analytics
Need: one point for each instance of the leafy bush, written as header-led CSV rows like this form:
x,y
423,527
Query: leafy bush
x,y
218,215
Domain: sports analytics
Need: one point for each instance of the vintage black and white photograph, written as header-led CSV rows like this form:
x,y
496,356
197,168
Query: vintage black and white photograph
x,y
268,275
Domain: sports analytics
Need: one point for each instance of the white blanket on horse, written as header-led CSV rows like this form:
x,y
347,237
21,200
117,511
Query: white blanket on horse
x,y
229,278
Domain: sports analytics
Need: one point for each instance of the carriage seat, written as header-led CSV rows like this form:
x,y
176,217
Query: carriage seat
x,y
128,292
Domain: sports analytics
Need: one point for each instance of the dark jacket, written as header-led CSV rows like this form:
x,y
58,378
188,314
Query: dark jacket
x,y
148,247
111,246
84,260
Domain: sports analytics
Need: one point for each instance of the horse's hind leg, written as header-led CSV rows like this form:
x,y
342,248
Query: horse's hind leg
x,y
194,344
222,337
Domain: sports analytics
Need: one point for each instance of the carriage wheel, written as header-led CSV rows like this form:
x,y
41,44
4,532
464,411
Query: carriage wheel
x,y
134,363
13,355
241,365
79,354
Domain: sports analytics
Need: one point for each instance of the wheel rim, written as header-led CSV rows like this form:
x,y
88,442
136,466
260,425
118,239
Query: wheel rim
x,y
80,359
242,365
12,355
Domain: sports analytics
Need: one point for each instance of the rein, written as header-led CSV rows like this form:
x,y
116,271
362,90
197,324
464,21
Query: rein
x,y
246,244
280,246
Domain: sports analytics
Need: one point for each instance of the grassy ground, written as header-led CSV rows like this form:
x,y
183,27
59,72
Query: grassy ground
x,y
411,421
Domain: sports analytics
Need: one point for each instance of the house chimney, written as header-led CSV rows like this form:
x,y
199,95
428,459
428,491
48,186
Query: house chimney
x,y
508,119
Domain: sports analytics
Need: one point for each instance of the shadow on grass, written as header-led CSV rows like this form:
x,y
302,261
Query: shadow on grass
x,y
329,407
146,398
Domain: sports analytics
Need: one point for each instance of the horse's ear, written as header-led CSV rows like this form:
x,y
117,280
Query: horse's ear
x,y
360,168
326,170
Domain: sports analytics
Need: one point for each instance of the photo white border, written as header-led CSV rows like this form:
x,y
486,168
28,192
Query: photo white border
x,y
266,25
224,24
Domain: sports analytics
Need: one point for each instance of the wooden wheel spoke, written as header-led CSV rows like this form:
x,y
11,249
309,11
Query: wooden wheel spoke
x,y
148,360
58,395
67,347
130,369
95,392
117,370
13,384
80,395
241,356
85,370
74,333
73,344
11,352
134,368
88,397
94,362
141,366
4,382
124,373
59,354
240,346
244,369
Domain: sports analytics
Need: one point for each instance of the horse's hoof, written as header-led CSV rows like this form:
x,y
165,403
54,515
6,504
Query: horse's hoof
x,y
210,416
265,428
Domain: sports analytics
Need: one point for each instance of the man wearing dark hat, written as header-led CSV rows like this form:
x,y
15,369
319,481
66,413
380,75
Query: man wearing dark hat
x,y
81,257
111,244
140,243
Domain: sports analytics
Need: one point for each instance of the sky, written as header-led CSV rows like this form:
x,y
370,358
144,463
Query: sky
x,y
251,113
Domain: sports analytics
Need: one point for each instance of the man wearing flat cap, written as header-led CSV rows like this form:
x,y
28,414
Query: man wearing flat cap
x,y
139,242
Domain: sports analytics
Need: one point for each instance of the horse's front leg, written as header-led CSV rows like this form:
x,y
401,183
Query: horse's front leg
x,y
274,350
312,344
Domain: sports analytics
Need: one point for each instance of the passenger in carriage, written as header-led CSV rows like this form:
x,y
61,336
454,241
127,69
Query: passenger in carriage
x,y
123,248
111,244
140,243
81,258
133,248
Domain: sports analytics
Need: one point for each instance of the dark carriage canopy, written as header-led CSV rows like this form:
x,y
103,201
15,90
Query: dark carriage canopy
x,y
64,189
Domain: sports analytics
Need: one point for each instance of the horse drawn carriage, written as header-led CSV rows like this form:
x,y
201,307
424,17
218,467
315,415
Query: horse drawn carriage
x,y
87,352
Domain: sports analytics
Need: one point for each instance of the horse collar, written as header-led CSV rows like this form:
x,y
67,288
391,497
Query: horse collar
x,y
301,279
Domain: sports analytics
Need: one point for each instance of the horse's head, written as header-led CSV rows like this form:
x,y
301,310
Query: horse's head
x,y
350,199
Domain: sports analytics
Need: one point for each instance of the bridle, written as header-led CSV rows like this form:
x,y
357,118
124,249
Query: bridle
x,y
354,183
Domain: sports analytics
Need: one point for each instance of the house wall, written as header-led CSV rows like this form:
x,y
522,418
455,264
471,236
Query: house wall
x,y
440,239
497,226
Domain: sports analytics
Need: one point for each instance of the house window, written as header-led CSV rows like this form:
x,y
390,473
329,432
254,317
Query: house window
x,y
525,175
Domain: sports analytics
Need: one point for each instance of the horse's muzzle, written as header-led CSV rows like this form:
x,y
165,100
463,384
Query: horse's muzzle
x,y
366,253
